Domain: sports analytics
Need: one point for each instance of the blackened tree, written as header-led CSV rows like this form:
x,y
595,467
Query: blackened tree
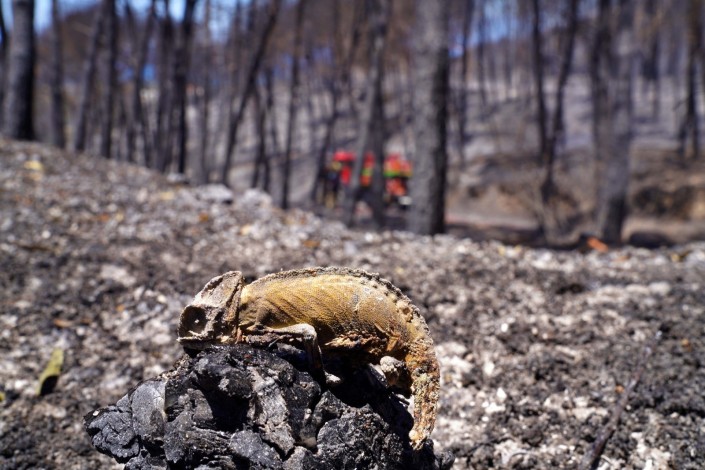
x,y
431,66
17,121
611,76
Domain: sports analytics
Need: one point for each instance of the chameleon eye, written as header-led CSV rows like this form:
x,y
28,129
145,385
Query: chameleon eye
x,y
194,321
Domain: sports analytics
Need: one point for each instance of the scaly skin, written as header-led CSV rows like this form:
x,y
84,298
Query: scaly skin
x,y
353,313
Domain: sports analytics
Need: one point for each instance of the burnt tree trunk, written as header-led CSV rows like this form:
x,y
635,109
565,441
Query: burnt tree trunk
x,y
372,121
109,79
463,97
509,59
202,167
558,122
233,59
250,83
311,89
650,67
261,173
88,81
181,64
349,90
162,131
430,109
338,82
17,121
58,136
324,149
3,61
270,111
537,52
690,125
611,69
138,118
404,96
293,104
701,45
556,131
482,30
378,139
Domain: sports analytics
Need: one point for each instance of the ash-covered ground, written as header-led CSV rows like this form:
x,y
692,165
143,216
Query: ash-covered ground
x,y
536,346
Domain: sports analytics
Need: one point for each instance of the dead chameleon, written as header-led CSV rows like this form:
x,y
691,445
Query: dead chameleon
x,y
328,310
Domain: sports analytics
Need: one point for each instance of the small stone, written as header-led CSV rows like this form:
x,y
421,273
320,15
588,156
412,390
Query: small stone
x,y
249,446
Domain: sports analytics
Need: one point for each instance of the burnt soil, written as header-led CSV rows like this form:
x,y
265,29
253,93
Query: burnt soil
x,y
536,346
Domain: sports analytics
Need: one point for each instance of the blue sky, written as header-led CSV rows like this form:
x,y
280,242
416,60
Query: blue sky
x,y
42,17
42,14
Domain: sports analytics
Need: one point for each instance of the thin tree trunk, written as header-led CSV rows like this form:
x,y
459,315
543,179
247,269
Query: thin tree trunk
x,y
325,146
557,123
313,112
463,98
431,65
673,60
537,50
491,64
238,45
601,114
378,139
110,79
482,29
333,89
162,131
405,96
701,46
17,122
691,122
338,83
293,103
3,62
271,110
95,113
373,112
181,64
259,116
88,83
120,152
349,91
250,84
3,33
58,137
612,62
261,170
234,66
650,68
509,61
138,117
202,167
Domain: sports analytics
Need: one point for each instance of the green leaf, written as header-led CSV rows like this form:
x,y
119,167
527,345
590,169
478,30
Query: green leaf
x,y
50,374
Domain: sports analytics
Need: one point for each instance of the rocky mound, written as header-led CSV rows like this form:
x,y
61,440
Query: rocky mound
x,y
536,346
239,407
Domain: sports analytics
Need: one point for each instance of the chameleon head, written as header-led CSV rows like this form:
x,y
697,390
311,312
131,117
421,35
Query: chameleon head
x,y
211,318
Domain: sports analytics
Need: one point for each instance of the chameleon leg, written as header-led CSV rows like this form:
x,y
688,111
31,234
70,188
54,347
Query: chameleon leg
x,y
301,333
395,372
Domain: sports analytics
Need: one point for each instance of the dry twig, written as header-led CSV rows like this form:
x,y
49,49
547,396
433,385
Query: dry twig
x,y
592,458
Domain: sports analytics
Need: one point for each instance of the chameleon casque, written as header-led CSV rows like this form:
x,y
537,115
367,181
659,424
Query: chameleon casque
x,y
341,311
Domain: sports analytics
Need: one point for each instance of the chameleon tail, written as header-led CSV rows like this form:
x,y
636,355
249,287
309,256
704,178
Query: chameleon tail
x,y
425,384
